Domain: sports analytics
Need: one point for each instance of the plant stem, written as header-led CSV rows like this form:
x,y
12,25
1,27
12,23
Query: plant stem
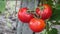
x,y
39,2
47,27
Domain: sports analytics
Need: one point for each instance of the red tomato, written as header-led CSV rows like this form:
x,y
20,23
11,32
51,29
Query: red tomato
x,y
24,16
37,25
45,13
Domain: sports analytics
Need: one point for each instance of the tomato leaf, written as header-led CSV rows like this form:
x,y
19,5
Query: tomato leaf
x,y
56,14
44,31
2,5
50,2
53,31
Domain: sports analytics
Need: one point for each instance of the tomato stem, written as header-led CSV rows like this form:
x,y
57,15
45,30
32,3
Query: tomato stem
x,y
41,8
30,11
34,13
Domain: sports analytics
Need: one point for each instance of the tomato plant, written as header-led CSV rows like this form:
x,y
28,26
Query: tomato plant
x,y
24,16
45,11
48,12
37,25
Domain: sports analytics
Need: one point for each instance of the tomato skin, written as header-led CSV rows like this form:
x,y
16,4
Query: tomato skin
x,y
45,13
24,16
37,25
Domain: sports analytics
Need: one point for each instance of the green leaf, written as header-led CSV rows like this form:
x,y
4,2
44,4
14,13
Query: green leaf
x,y
44,31
56,14
53,31
58,6
50,2
2,5
58,1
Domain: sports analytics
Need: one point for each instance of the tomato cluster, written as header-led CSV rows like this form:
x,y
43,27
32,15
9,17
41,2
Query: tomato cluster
x,y
35,24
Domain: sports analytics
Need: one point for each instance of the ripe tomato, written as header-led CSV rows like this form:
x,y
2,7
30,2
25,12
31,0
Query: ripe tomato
x,y
37,25
24,16
46,11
